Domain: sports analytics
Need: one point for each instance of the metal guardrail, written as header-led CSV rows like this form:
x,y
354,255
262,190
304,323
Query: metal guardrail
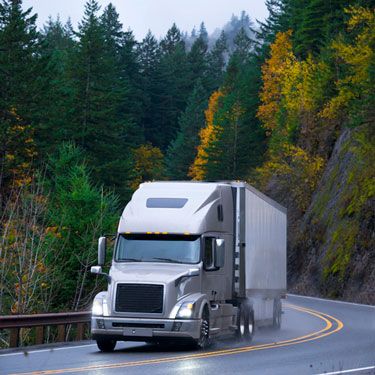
x,y
15,322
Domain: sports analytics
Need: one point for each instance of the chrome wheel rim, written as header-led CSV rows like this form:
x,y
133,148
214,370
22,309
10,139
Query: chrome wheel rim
x,y
242,324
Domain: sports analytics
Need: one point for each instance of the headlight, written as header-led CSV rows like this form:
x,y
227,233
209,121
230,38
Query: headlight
x,y
100,307
185,311
97,307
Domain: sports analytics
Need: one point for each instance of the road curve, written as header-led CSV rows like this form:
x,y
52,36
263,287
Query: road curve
x,y
317,336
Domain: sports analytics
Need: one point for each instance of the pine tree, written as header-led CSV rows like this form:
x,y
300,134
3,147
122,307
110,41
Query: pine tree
x,y
217,59
98,128
182,151
173,86
149,58
19,93
57,95
132,99
320,21
197,58
19,53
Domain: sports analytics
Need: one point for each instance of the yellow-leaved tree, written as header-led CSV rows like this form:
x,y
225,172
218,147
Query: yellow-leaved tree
x,y
275,72
148,164
208,135
358,58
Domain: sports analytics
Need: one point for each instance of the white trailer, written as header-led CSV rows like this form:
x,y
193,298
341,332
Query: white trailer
x,y
261,253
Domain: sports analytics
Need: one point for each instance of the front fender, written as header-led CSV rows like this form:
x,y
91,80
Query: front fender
x,y
101,295
199,300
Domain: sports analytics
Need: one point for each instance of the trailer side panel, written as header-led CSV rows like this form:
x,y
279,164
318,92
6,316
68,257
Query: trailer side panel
x,y
265,247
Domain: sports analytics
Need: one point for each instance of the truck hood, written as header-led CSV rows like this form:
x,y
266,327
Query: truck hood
x,y
149,272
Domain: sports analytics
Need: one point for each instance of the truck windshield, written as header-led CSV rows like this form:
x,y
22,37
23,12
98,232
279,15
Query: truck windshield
x,y
158,248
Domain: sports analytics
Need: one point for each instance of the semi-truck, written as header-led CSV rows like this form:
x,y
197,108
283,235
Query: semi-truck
x,y
192,261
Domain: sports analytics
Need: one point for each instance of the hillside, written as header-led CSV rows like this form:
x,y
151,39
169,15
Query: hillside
x,y
331,247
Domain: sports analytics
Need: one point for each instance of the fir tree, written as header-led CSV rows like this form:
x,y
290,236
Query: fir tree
x,y
217,59
98,127
149,59
182,151
173,86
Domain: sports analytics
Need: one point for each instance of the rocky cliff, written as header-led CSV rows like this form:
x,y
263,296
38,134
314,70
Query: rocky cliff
x,y
331,247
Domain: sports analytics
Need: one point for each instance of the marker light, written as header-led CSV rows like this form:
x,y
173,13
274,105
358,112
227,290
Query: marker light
x,y
186,310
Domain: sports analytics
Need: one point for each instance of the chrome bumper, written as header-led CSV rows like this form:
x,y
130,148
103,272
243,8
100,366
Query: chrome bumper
x,y
139,329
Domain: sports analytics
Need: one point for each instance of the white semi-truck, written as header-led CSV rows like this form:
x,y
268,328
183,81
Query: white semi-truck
x,y
192,261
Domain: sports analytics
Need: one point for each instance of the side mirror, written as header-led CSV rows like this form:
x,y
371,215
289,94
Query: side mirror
x,y
219,253
102,243
96,269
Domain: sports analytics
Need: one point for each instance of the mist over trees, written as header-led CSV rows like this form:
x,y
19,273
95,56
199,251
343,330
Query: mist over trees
x,y
88,113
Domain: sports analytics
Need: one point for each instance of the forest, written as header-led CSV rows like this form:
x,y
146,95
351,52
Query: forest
x,y
87,113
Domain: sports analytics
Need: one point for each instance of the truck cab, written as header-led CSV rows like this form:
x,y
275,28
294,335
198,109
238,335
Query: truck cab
x,y
175,273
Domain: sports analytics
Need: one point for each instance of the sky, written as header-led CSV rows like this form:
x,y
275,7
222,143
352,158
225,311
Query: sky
x,y
156,15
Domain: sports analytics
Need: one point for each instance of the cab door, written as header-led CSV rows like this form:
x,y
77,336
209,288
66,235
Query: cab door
x,y
213,280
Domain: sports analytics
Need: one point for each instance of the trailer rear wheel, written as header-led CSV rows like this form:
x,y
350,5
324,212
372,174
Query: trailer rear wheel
x,y
106,345
250,325
277,312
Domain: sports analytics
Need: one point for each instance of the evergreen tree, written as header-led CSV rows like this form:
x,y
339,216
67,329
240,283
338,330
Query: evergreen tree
x,y
131,107
99,92
320,21
217,59
182,151
242,46
149,58
79,211
197,58
55,112
173,86
19,93
19,53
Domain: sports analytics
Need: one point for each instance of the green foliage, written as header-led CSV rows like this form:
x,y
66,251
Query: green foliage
x,y
182,150
81,212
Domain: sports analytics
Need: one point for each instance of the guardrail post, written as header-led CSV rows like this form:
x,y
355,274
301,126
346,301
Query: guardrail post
x,y
39,335
14,337
80,328
61,333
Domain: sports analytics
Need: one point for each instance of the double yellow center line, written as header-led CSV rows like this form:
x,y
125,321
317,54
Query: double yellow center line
x,y
332,325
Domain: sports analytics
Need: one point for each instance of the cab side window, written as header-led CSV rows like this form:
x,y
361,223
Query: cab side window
x,y
208,256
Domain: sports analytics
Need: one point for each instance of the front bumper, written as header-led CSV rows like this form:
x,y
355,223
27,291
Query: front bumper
x,y
140,329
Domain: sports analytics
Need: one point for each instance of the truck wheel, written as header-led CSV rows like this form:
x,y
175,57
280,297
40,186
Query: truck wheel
x,y
250,324
204,339
241,322
245,323
277,314
106,345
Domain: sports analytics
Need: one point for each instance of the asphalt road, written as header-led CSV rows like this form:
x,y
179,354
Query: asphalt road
x,y
317,336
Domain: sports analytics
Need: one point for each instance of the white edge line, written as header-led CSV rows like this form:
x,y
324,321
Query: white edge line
x,y
331,300
348,371
26,352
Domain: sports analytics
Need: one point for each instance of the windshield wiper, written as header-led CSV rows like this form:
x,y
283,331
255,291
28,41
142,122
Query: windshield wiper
x,y
131,260
169,260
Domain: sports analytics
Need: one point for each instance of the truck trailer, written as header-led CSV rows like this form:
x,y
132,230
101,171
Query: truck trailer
x,y
192,261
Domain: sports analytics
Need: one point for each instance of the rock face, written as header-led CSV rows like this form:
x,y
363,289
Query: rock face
x,y
332,245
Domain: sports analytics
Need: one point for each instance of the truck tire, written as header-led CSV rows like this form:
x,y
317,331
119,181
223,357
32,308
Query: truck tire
x,y
204,339
277,312
241,322
106,345
245,323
